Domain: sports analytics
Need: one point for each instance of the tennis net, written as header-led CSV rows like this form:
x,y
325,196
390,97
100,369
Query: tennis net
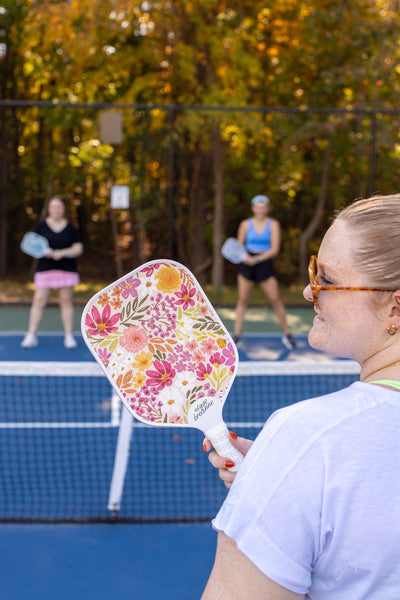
x,y
62,428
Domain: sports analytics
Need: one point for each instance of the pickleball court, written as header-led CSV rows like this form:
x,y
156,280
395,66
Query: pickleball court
x,y
60,424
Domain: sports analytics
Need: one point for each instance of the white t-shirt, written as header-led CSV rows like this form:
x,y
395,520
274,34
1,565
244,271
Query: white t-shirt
x,y
316,503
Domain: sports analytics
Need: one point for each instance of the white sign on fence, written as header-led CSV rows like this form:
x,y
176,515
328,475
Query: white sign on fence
x,y
120,196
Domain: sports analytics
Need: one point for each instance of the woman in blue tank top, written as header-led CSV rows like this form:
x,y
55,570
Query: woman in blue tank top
x,y
261,237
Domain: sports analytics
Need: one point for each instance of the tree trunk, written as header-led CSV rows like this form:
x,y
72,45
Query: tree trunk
x,y
308,233
218,230
3,196
200,257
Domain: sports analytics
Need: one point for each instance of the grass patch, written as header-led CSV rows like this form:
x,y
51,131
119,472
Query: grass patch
x,y
19,291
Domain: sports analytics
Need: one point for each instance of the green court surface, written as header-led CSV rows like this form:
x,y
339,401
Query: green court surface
x,y
14,318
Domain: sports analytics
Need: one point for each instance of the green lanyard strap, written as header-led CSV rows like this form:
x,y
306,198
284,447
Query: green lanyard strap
x,y
389,382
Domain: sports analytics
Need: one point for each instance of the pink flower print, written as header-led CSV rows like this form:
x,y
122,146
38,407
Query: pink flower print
x,y
203,310
134,339
105,356
209,390
198,356
208,345
150,270
185,297
172,357
217,359
129,287
175,419
101,324
230,356
162,376
191,346
203,371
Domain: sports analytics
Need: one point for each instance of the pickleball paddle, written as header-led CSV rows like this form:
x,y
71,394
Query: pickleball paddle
x,y
233,251
34,245
165,350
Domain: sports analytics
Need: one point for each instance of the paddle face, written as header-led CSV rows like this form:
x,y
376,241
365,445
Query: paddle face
x,y
34,245
233,251
162,346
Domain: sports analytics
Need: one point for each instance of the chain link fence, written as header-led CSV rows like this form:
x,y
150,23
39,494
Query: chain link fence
x,y
171,157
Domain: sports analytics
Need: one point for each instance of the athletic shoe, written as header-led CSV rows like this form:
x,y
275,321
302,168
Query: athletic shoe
x,y
236,339
29,341
288,341
70,342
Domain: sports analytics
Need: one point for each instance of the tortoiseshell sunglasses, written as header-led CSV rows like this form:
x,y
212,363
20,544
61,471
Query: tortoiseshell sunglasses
x,y
316,288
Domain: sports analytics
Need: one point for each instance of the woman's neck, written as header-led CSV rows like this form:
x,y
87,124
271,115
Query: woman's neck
x,y
56,224
390,370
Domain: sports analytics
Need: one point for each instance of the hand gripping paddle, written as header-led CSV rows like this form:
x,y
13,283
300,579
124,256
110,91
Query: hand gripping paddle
x,y
164,350
233,251
34,245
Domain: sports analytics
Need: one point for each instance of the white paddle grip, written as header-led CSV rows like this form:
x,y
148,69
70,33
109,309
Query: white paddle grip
x,y
220,439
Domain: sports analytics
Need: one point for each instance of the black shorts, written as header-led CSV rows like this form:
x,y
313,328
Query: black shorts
x,y
259,272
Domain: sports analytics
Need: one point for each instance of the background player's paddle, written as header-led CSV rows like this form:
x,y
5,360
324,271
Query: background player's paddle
x,y
34,245
233,251
164,350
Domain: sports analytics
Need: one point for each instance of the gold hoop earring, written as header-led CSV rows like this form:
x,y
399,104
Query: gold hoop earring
x,y
392,329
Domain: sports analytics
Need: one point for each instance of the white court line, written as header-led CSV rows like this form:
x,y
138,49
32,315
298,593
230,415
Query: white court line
x,y
250,368
135,425
55,425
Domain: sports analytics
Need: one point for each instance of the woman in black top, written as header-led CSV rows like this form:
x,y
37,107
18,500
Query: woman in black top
x,y
57,269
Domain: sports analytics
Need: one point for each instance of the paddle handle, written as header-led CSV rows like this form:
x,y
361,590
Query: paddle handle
x,y
220,439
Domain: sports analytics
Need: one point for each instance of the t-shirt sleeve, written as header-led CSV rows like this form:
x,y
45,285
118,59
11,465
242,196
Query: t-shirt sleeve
x,y
74,234
272,511
40,228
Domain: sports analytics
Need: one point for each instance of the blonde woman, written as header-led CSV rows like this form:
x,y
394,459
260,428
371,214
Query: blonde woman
x,y
314,511
57,270
261,237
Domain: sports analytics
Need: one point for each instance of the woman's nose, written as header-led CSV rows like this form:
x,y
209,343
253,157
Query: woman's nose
x,y
307,293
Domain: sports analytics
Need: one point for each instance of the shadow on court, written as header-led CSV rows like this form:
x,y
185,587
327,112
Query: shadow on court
x,y
105,562
252,347
258,320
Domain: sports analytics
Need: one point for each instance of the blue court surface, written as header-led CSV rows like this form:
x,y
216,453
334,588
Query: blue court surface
x,y
252,347
105,562
98,561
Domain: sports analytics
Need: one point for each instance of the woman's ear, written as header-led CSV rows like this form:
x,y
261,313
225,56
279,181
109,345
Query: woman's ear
x,y
394,311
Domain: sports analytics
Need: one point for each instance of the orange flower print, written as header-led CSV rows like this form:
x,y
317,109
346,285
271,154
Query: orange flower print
x,y
104,299
143,361
116,302
139,380
117,291
168,280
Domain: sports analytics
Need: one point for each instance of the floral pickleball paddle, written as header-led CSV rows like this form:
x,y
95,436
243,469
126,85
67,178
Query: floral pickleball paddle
x,y
164,349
